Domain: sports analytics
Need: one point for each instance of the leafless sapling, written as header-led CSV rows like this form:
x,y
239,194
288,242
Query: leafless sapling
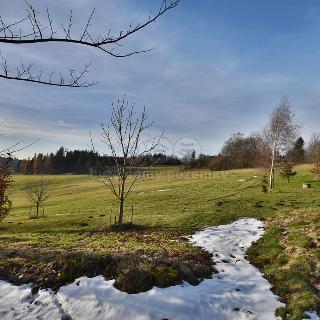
x,y
125,140
37,194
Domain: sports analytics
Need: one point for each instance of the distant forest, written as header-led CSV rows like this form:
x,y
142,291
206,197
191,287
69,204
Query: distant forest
x,y
78,162
237,152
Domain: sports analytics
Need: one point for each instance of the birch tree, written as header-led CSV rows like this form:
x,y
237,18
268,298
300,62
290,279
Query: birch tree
x,y
280,133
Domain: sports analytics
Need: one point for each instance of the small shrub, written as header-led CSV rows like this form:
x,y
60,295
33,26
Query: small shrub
x,y
287,172
316,170
5,181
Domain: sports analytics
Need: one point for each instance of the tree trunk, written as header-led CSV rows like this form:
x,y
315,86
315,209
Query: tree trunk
x,y
271,181
120,211
37,210
121,207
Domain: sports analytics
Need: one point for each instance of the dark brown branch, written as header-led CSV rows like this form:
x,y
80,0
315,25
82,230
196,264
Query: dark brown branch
x,y
48,82
11,150
98,43
39,32
25,73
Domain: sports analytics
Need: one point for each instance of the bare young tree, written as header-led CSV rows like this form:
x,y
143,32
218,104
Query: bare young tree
x,y
280,133
37,194
40,27
189,158
313,153
130,149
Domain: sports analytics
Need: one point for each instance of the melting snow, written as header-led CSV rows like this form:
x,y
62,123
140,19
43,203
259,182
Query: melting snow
x,y
237,292
312,315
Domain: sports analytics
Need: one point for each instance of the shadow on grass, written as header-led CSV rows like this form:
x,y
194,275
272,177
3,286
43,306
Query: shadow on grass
x,y
312,181
126,227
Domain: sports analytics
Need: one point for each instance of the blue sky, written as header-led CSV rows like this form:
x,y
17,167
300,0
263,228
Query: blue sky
x,y
218,67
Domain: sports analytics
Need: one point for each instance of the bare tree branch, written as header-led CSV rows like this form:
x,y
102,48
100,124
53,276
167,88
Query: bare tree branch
x,y
73,78
34,28
16,147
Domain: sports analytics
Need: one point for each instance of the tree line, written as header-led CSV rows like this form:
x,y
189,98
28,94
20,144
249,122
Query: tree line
x,y
80,162
244,152
238,152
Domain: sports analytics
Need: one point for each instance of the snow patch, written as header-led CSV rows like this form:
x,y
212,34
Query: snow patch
x,y
237,292
312,315
18,303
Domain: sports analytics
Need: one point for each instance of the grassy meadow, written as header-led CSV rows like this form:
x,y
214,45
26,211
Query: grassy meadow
x,y
170,204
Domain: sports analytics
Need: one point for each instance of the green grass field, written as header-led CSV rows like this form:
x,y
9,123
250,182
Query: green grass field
x,y
80,206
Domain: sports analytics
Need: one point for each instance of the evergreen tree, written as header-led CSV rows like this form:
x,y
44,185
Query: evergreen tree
x,y
59,161
297,153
